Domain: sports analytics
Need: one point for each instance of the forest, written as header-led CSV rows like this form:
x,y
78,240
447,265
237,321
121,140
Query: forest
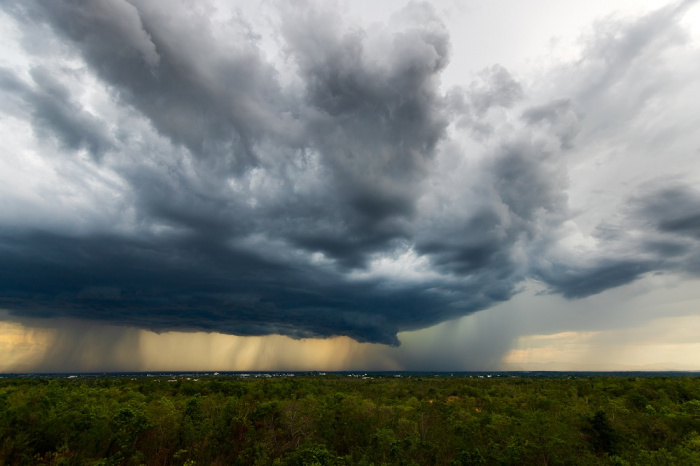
x,y
336,419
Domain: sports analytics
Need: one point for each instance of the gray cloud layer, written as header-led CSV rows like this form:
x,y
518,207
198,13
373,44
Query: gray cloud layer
x,y
334,189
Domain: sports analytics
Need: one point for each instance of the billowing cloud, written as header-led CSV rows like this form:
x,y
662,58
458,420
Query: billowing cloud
x,y
171,170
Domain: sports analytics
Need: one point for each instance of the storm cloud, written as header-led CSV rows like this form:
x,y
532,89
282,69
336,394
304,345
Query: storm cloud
x,y
174,171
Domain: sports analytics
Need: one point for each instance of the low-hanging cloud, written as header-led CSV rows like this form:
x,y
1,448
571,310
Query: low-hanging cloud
x,y
333,189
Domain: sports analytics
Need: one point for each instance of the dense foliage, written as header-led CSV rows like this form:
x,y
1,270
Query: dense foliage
x,y
334,419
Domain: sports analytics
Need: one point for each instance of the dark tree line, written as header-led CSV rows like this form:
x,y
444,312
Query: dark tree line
x,y
337,420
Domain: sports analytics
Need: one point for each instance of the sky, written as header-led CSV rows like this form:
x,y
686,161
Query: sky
x,y
337,185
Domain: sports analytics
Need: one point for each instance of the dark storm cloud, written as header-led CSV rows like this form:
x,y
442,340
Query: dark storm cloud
x,y
374,120
55,114
674,209
187,285
165,63
670,219
578,282
634,241
659,233
253,194
527,180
